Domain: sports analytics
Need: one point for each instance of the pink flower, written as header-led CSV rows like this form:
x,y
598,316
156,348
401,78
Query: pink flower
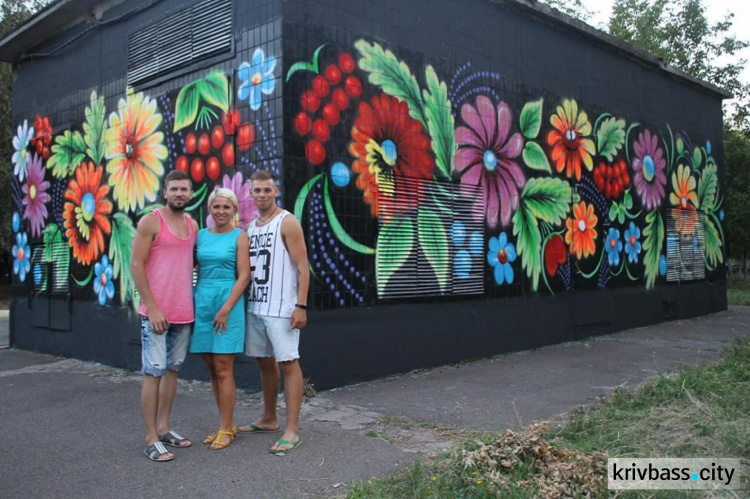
x,y
649,166
485,157
35,195
246,209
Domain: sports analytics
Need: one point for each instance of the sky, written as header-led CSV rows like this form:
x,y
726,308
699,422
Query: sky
x,y
715,11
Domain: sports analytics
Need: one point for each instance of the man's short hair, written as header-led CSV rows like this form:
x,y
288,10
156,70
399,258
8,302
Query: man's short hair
x,y
263,175
176,175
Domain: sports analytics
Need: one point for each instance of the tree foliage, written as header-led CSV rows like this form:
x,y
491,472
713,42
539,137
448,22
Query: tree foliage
x,y
678,32
12,14
737,202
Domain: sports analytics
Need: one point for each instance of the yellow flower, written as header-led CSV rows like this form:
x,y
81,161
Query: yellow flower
x,y
479,482
135,150
434,478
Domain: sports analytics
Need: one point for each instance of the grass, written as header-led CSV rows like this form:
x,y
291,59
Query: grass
x,y
738,290
701,411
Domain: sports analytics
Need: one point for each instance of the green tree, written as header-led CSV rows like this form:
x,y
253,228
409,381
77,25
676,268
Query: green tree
x,y
12,14
737,201
679,32
573,8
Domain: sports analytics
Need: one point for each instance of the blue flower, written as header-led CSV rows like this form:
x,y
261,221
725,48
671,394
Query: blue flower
x,y
501,254
16,224
632,243
257,78
103,285
663,265
721,215
458,233
462,264
340,174
20,156
708,146
476,243
22,254
613,245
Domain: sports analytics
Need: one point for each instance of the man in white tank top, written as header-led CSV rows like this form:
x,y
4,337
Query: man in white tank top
x,y
277,308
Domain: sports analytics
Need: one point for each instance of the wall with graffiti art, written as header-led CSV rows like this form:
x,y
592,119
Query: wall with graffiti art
x,y
472,179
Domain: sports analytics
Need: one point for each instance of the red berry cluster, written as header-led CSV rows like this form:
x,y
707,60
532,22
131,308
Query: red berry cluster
x,y
612,180
206,149
328,96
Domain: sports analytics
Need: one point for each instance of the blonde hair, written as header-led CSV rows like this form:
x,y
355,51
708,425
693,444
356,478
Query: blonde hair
x,y
223,192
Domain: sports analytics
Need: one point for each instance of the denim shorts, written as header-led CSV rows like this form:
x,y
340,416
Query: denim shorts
x,y
271,337
162,352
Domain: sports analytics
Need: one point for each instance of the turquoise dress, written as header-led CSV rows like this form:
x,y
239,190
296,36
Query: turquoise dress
x,y
217,270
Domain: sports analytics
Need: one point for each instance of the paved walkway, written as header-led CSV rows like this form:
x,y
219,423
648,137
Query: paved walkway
x,y
73,429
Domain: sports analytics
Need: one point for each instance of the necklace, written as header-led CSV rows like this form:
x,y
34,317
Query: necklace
x,y
262,221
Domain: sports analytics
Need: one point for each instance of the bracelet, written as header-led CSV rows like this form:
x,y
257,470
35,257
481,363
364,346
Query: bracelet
x,y
299,305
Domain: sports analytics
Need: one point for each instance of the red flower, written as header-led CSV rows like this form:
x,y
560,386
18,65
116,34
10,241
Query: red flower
x,y
42,137
554,254
387,145
86,213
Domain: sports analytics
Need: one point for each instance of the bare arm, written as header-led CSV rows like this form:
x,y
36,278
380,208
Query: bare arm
x,y
145,234
294,240
243,278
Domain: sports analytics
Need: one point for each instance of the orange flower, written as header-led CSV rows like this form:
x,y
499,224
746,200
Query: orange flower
x,y
581,231
136,152
685,200
569,147
86,213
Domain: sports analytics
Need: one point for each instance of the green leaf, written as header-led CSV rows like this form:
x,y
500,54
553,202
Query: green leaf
x,y
534,157
214,89
531,119
305,66
707,187
712,241
392,75
57,252
547,199
440,122
697,158
68,152
652,244
395,244
610,137
613,211
299,205
433,238
94,128
628,200
120,243
186,106
340,232
528,243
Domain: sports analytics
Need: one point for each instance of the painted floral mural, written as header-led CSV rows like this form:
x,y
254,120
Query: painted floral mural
x,y
408,181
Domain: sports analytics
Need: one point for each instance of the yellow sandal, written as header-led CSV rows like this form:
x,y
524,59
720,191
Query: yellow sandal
x,y
217,444
212,436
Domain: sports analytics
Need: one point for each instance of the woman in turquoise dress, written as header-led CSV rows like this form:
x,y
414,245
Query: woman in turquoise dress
x,y
219,331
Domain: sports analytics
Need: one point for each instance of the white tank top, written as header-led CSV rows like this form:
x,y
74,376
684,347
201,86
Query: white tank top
x,y
273,287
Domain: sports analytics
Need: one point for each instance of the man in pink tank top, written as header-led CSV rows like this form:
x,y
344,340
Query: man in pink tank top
x,y
162,268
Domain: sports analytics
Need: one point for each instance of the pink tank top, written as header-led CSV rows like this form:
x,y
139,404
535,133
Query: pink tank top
x,y
169,270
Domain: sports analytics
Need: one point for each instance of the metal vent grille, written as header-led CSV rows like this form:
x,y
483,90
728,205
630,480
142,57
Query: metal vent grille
x,y
198,32
686,250
432,266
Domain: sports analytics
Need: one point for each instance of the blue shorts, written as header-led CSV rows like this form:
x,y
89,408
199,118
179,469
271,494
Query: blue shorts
x,y
271,337
166,351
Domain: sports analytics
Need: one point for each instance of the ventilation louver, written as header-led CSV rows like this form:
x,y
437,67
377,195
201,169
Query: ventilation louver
x,y
196,33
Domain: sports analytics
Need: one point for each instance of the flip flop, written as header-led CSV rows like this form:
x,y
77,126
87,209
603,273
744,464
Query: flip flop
x,y
281,442
155,451
254,428
173,439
